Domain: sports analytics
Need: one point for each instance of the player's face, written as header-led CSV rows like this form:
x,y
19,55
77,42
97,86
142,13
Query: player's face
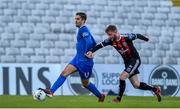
x,y
111,34
78,21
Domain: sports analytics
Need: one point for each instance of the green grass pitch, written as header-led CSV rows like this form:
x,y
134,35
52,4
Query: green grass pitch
x,y
87,102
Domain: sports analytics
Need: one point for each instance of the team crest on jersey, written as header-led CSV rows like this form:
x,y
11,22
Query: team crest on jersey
x,y
85,34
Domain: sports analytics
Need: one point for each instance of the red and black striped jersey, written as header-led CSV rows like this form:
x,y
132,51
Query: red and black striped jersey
x,y
123,44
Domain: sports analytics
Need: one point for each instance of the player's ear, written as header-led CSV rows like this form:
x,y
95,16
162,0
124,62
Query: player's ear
x,y
84,21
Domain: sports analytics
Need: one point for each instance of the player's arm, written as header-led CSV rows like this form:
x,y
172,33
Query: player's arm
x,y
133,36
101,45
142,37
104,43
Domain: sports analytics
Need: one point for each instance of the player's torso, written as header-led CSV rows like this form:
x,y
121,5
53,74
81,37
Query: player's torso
x,y
81,47
126,48
80,44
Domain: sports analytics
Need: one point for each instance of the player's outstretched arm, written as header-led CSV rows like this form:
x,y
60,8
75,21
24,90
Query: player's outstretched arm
x,y
104,43
101,45
89,54
133,36
142,37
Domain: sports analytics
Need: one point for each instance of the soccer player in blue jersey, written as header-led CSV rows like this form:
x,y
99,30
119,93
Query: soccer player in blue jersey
x,y
80,62
123,43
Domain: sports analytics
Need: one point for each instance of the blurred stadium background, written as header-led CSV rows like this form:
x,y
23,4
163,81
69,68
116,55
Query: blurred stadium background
x,y
43,31
36,34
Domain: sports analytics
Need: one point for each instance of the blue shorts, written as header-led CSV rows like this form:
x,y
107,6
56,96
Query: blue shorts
x,y
84,67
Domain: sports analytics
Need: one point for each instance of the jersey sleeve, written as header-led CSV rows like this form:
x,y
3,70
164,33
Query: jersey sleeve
x,y
132,36
87,38
142,37
101,45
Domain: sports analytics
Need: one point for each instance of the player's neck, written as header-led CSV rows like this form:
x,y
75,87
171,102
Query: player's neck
x,y
81,26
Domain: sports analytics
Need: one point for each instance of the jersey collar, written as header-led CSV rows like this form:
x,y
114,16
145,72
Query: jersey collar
x,y
82,26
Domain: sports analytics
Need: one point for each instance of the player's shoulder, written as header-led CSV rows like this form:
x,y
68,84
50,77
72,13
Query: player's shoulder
x,y
128,35
84,28
84,31
125,34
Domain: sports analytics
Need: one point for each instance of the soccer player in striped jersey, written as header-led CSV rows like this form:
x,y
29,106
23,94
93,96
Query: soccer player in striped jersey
x,y
80,62
123,43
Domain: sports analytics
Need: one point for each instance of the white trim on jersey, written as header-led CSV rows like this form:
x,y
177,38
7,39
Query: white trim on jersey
x,y
102,44
82,26
136,36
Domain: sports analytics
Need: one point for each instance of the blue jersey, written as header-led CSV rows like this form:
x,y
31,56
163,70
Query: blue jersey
x,y
85,42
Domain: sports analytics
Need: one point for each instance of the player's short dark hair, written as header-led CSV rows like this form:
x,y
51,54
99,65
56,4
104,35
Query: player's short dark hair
x,y
110,28
82,14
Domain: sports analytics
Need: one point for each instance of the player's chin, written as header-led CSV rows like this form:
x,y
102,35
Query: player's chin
x,y
77,25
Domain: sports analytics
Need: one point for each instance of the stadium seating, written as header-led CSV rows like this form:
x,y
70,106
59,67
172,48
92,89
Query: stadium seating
x,y
43,31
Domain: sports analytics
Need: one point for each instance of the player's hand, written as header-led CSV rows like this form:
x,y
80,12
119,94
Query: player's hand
x,y
89,54
146,38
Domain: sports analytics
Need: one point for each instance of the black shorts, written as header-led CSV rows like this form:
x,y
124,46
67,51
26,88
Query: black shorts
x,y
132,66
